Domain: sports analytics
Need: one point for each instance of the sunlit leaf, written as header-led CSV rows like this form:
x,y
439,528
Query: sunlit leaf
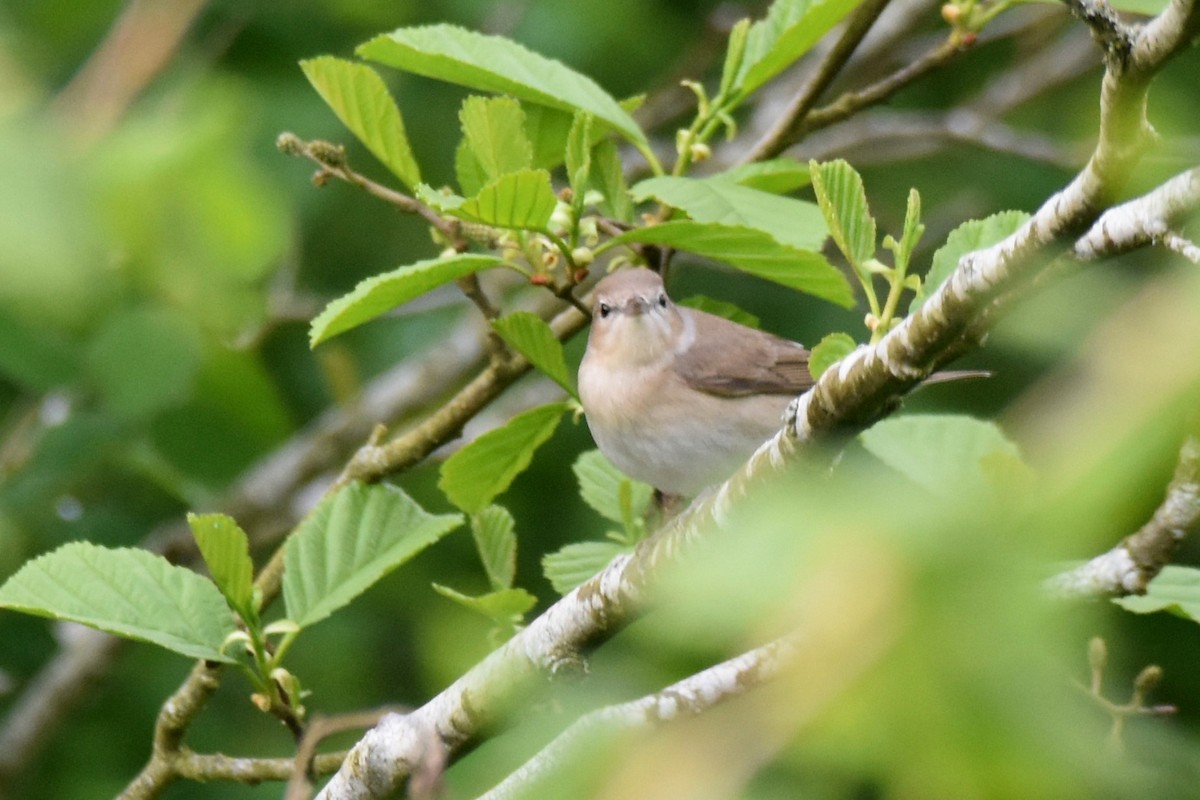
x,y
608,177
350,541
1175,590
790,28
843,201
494,130
600,487
575,563
361,101
504,607
226,551
493,529
481,470
125,592
972,235
523,199
777,175
381,293
529,335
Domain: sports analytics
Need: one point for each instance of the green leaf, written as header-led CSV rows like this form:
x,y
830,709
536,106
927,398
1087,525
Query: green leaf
x,y
35,355
608,178
226,551
790,28
1149,8
720,308
361,101
788,221
497,544
379,294
523,199
498,65
144,361
547,129
1175,590
913,229
579,155
506,607
949,455
968,237
494,130
575,563
600,487
351,540
831,349
467,169
751,251
843,201
125,592
777,176
481,470
529,335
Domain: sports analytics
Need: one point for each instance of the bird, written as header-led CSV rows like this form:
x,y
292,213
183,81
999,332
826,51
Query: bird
x,y
676,397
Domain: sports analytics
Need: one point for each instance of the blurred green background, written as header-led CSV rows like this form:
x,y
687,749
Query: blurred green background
x,y
159,260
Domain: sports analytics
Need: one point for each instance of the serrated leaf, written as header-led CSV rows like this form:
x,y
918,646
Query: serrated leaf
x,y
600,487
751,251
968,237
481,470
499,65
777,175
720,308
361,101
843,201
830,350
948,455
1175,590
351,540
788,221
493,529
579,154
523,199
377,295
125,592
467,169
790,28
504,607
494,130
575,563
226,551
530,336
608,178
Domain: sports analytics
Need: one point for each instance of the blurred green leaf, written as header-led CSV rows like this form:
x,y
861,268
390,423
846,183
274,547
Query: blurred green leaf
x,y
776,175
34,355
790,28
481,470
579,155
968,237
788,221
126,592
351,540
523,200
361,101
494,130
506,607
381,293
226,551
144,361
1175,590
500,65
575,563
948,455
720,308
529,335
843,201
600,486
493,529
830,350
1149,8
751,251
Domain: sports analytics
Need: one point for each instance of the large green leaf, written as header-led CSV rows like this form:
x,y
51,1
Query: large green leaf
x,y
575,563
381,293
499,65
790,28
226,551
974,234
481,470
494,130
751,251
493,529
1175,590
794,222
949,455
523,199
350,541
607,490
529,335
126,592
777,175
843,201
361,101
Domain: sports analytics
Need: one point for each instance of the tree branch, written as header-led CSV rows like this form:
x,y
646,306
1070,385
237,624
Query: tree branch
x,y
1145,220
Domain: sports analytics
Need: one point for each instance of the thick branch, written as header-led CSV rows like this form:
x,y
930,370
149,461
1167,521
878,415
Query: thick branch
x,y
1145,220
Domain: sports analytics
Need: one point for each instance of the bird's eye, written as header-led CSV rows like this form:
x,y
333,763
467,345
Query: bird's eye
x,y
662,301
605,310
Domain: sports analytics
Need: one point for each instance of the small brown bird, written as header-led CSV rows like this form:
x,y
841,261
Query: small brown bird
x,y
677,397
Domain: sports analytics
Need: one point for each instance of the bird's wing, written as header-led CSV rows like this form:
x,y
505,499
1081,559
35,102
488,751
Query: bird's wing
x,y
731,360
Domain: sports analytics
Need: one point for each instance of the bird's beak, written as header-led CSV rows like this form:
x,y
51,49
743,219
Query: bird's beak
x,y
638,306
